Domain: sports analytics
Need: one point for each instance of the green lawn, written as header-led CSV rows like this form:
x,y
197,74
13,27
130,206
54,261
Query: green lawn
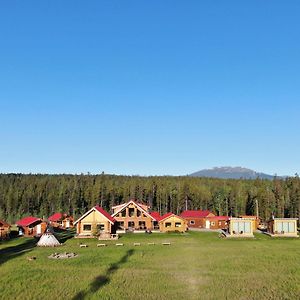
x,y
197,265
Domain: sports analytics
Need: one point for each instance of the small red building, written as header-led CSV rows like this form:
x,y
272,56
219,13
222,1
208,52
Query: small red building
x,y
4,230
204,219
31,226
61,220
218,222
197,218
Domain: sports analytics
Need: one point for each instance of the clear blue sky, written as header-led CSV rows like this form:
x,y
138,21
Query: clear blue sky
x,y
149,87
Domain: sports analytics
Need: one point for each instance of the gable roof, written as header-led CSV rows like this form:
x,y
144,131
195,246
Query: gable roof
x,y
27,221
155,215
140,206
121,206
56,217
168,215
195,213
101,211
105,214
165,216
4,224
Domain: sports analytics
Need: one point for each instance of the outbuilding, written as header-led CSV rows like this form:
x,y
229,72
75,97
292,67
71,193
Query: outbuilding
x,y
31,226
283,227
61,220
240,227
197,218
217,222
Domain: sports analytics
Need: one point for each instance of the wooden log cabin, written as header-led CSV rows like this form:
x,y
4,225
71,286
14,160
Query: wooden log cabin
x,y
282,227
4,230
217,222
61,220
171,222
197,218
133,216
31,226
94,223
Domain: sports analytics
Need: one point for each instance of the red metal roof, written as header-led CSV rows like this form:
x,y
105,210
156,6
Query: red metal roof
x,y
27,221
105,213
195,213
56,217
165,216
155,215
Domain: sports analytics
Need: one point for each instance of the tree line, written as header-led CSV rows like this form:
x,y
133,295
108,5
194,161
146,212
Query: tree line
x,y
42,195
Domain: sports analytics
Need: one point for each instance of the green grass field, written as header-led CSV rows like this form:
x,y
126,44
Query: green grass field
x,y
197,265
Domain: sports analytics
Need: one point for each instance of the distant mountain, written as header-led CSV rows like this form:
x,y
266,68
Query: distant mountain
x,y
231,172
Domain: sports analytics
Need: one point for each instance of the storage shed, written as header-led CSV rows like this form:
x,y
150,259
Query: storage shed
x,y
240,227
31,226
61,220
283,227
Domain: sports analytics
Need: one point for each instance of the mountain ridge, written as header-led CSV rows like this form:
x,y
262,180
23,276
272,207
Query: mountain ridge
x,y
231,173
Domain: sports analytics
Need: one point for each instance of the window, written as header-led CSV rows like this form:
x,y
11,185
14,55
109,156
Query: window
x,y
168,224
291,227
192,222
285,227
131,211
87,227
142,225
138,213
100,227
212,223
120,225
178,224
124,213
242,227
247,227
130,224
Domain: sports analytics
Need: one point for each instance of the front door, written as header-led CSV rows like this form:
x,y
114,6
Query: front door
x,y
207,224
39,229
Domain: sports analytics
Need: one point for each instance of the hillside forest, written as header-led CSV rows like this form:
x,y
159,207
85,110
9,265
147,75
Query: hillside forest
x,y
42,195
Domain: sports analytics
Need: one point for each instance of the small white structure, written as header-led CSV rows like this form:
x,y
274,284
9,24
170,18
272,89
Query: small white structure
x,y
283,227
240,227
48,240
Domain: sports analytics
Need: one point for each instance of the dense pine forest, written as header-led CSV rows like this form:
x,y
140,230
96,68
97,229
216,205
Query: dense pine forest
x,y
42,195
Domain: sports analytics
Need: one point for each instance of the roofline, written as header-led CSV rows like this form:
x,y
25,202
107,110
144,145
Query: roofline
x,y
37,219
167,217
126,204
93,208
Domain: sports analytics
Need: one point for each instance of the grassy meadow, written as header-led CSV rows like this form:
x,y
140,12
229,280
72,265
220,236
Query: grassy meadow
x,y
197,265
